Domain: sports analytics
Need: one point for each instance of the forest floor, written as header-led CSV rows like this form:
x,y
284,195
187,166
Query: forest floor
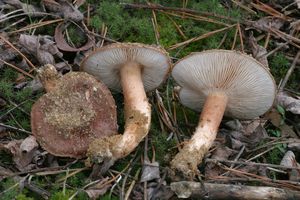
x,y
261,152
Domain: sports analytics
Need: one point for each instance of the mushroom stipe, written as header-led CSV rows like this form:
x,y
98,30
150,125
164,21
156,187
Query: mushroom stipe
x,y
134,69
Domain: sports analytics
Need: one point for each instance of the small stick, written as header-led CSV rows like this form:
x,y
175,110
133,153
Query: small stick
x,y
244,7
36,25
14,128
289,72
177,27
180,10
250,163
12,46
16,68
194,39
132,184
197,190
241,36
267,40
234,39
238,156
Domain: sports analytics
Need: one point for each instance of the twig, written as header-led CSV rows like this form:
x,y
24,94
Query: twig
x,y
238,156
250,163
14,128
241,36
36,25
247,179
132,185
16,68
180,10
244,7
196,17
235,37
197,190
12,46
177,27
289,72
194,39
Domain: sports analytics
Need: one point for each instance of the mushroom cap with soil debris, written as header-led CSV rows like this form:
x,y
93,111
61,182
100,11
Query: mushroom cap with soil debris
x,y
76,110
219,82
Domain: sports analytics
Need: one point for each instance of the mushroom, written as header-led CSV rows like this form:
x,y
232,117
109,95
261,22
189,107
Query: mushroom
x,y
76,109
133,68
219,82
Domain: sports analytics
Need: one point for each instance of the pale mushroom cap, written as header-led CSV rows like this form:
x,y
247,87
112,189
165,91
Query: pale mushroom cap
x,y
248,84
106,62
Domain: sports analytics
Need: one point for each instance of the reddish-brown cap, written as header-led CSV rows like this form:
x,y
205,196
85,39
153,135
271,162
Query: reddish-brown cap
x,y
68,118
249,86
105,63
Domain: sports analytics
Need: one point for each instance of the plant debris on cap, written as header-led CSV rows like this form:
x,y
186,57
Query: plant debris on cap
x,y
105,63
219,82
249,86
72,114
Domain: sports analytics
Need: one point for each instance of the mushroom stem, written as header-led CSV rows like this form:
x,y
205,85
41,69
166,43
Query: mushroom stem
x,y
48,76
137,110
187,160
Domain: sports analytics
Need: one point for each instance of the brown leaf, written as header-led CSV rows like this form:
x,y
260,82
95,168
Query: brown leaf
x,y
63,8
274,116
63,45
42,47
289,160
23,152
251,133
223,153
259,52
288,102
287,131
98,190
267,23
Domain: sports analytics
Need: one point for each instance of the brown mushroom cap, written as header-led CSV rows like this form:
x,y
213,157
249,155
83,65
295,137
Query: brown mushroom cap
x,y
68,118
249,86
106,62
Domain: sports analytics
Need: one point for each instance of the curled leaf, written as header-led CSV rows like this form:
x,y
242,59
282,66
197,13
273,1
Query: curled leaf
x,y
63,45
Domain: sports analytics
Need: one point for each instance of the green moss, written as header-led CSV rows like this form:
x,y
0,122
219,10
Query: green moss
x,y
18,117
23,197
279,66
9,189
76,37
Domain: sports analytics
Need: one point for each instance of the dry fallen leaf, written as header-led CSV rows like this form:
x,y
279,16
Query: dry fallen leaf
x,y
223,153
23,152
95,191
63,45
64,9
42,47
250,133
267,23
288,102
259,52
289,160
150,171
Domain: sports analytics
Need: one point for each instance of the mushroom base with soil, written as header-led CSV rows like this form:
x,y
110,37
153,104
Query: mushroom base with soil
x,y
203,137
137,120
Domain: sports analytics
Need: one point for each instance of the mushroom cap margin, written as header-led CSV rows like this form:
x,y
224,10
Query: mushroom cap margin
x,y
104,63
248,84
